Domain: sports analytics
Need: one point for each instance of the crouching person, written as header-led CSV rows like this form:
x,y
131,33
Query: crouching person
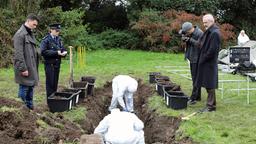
x,y
121,128
123,87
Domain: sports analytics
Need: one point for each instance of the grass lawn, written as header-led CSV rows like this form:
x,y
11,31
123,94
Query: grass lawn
x,y
234,122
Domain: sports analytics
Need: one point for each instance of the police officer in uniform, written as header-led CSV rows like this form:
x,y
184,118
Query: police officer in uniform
x,y
52,51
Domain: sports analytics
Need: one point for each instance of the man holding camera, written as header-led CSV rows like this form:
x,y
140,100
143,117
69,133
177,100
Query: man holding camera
x,y
190,35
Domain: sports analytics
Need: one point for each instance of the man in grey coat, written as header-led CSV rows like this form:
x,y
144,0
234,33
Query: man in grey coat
x,y
207,71
191,35
26,60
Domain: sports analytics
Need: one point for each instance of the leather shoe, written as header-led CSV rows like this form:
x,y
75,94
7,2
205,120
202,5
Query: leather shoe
x,y
191,102
206,109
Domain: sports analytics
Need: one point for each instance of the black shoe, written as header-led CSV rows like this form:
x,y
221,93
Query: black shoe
x,y
191,102
206,109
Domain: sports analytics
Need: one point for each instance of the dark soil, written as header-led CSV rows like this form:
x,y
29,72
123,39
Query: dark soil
x,y
22,126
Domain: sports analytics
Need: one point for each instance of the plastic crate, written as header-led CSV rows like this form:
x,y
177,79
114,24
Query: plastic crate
x,y
81,86
152,76
60,101
76,93
176,99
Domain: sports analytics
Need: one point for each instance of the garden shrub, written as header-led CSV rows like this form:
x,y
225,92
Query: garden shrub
x,y
159,30
118,39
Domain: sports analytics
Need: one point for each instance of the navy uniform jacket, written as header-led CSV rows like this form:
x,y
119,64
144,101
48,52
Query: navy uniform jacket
x,y
49,49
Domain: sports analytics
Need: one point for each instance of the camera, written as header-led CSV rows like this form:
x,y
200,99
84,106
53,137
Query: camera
x,y
184,36
181,32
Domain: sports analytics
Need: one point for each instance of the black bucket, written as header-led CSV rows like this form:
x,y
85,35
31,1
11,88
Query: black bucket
x,y
90,79
90,87
81,86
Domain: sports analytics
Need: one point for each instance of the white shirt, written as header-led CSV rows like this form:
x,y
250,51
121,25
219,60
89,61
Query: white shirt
x,y
121,128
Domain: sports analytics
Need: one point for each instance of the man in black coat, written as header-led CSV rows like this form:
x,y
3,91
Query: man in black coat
x,y
190,35
207,71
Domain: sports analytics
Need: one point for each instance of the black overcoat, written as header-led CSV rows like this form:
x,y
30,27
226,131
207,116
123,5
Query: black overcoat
x,y
207,68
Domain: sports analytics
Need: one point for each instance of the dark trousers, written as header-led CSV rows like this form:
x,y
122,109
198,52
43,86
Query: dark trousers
x,y
26,94
196,92
52,77
211,99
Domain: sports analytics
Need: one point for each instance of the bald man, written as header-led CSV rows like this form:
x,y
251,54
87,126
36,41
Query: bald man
x,y
207,70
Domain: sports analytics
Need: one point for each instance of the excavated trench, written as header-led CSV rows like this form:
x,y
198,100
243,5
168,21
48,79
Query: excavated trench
x,y
158,129
23,126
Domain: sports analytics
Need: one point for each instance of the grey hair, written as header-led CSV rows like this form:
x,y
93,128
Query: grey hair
x,y
209,17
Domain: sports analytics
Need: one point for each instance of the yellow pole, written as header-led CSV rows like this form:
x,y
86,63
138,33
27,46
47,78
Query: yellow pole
x,y
71,65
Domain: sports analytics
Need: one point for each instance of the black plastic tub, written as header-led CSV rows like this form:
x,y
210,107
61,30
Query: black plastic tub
x,y
90,80
160,78
81,86
60,101
76,93
152,76
161,86
176,99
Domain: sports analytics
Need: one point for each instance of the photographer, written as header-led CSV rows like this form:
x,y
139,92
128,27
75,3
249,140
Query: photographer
x,y
190,35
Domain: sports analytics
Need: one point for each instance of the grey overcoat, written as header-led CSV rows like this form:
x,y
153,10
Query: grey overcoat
x,y
25,57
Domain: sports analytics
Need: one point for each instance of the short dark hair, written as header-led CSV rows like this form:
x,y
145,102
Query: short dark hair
x,y
32,17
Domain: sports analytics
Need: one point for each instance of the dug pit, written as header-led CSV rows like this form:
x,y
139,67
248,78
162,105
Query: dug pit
x,y
19,125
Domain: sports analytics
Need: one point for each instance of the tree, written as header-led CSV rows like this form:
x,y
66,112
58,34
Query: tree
x,y
103,15
240,13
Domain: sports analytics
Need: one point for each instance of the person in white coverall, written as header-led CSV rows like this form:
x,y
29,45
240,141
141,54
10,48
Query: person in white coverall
x,y
123,87
121,128
242,38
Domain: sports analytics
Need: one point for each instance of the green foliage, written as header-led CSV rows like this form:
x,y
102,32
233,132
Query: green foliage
x,y
118,39
191,6
5,48
103,15
93,42
73,31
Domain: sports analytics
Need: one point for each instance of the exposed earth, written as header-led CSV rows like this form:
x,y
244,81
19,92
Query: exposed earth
x,y
18,125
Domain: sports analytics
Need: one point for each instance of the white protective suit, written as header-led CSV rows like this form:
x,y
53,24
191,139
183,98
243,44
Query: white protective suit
x,y
121,128
123,87
242,38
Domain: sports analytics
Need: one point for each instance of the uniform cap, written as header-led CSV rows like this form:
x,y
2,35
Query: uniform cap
x,y
55,26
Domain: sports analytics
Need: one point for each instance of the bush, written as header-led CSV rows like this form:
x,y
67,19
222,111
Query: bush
x,y
159,31
6,49
118,39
